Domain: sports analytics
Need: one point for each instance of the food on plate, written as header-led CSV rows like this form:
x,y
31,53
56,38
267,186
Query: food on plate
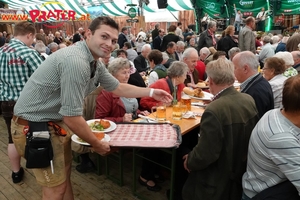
x,y
105,123
99,125
194,92
99,136
198,93
188,91
201,84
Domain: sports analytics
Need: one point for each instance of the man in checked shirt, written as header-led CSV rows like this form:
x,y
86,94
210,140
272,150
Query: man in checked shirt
x,y
17,63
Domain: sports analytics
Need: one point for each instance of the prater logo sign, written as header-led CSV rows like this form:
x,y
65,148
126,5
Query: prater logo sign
x,y
56,14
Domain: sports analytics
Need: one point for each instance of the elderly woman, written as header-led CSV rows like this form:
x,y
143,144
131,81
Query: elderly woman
x,y
176,75
115,108
289,62
158,70
228,41
273,72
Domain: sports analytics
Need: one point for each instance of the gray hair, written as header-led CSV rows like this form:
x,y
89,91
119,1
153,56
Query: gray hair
x,y
117,64
267,39
145,46
188,52
40,47
180,44
286,56
249,59
205,51
165,56
211,24
53,45
275,39
221,71
233,51
177,69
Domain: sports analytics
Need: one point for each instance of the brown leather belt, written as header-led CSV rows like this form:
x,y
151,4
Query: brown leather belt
x,y
20,121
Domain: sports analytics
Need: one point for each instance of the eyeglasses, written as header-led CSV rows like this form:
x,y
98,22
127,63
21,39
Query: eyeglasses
x,y
265,68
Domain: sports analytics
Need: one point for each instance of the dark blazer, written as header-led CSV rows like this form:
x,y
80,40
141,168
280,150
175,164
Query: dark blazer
x,y
156,43
171,37
218,161
140,63
121,40
195,77
205,40
155,33
226,43
260,89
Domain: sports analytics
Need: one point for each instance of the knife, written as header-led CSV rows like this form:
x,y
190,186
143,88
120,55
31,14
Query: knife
x,y
147,118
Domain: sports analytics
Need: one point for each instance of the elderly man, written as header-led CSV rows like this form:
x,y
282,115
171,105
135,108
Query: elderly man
x,y
78,36
247,37
252,82
296,58
273,155
266,51
140,62
207,37
179,50
190,57
217,162
171,48
200,67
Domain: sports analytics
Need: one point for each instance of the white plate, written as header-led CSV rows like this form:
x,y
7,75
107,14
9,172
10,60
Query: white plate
x,y
112,127
76,139
207,96
203,87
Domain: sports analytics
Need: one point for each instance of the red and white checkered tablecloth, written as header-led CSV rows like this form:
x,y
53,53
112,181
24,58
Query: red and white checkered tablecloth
x,y
145,135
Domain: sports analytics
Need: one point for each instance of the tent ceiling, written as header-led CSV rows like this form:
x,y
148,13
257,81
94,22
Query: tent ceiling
x,y
110,7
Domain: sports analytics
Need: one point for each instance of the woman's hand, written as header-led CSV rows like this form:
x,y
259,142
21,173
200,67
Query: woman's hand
x,y
145,113
127,117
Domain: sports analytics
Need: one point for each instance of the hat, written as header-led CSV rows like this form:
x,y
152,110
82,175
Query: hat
x,y
286,56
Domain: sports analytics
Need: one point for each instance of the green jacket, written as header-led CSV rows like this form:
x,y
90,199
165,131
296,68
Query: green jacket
x,y
218,161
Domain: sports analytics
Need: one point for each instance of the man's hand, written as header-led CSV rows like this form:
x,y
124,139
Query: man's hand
x,y
101,148
161,95
185,158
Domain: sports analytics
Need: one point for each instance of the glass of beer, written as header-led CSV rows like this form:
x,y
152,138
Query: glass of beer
x,y
186,100
177,111
161,111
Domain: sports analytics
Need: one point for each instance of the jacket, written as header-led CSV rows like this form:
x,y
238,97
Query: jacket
x,y
247,40
171,37
260,90
147,103
226,43
218,161
205,40
140,63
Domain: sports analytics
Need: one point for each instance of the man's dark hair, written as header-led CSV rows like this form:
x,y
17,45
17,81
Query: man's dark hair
x,y
102,21
218,54
119,51
171,45
128,45
179,23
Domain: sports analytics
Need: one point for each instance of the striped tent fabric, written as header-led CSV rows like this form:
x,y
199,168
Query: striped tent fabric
x,y
110,7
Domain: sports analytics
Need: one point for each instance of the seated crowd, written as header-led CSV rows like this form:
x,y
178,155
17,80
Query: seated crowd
x,y
246,147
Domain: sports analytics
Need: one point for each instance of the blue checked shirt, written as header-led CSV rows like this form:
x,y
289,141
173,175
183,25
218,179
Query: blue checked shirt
x,y
17,64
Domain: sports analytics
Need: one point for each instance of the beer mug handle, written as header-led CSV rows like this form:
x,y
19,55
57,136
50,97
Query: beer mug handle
x,y
153,109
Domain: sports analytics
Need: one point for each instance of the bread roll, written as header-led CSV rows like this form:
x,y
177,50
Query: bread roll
x,y
198,93
201,84
188,91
